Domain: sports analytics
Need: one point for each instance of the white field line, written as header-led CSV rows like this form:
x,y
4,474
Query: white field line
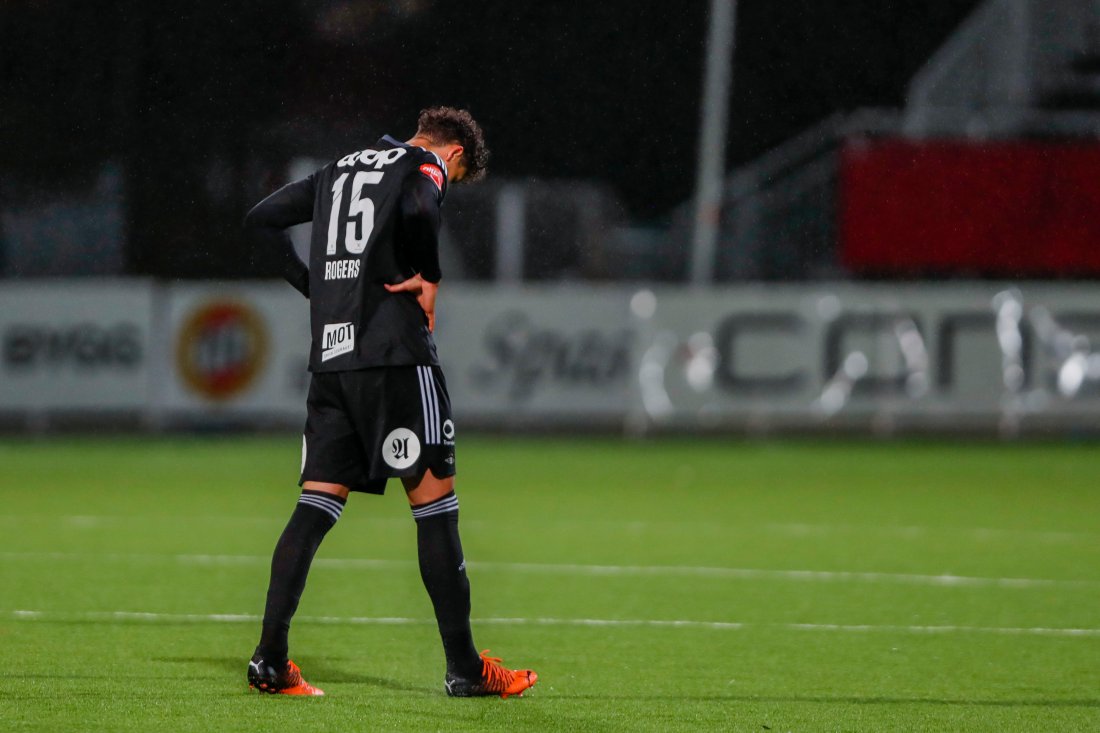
x,y
138,616
109,521
791,529
918,532
817,576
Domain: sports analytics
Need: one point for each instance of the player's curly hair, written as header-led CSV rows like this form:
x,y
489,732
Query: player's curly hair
x,y
449,125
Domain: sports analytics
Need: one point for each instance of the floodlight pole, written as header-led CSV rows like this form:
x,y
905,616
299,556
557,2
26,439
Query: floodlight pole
x,y
711,166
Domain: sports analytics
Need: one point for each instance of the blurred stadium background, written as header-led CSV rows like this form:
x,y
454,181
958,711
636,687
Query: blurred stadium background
x,y
903,235
713,218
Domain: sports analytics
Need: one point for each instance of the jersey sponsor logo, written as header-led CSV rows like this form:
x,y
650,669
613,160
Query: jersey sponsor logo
x,y
401,448
377,158
433,173
342,270
337,339
222,347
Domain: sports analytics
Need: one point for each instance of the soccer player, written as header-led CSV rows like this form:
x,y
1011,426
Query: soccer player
x,y
378,406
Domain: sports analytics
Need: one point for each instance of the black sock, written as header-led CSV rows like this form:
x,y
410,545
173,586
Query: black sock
x,y
313,517
443,570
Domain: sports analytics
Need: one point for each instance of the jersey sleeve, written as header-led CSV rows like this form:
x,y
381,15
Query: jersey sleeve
x,y
420,199
430,168
265,228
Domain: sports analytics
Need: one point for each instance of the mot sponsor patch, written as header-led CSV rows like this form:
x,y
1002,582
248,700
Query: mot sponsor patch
x,y
433,172
337,339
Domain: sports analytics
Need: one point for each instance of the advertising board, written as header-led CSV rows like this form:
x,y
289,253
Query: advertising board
x,y
970,354
984,356
235,349
76,345
515,355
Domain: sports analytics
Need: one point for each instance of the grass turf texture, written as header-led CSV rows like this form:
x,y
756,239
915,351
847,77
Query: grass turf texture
x,y
185,526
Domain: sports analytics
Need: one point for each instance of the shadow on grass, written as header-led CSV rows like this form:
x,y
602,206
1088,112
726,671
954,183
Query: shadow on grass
x,y
320,671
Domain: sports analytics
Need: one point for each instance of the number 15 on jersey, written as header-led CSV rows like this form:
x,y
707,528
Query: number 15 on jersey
x,y
360,217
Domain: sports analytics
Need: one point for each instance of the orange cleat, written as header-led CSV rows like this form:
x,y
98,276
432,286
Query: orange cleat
x,y
263,677
495,680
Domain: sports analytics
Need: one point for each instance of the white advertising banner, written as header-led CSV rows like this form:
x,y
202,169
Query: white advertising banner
x,y
987,356
75,345
235,349
514,354
981,354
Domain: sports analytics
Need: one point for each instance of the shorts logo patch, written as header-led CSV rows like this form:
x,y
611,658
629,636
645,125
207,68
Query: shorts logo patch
x,y
433,172
337,339
448,429
401,448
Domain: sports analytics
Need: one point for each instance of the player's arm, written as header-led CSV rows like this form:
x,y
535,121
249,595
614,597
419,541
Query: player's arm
x,y
266,224
420,199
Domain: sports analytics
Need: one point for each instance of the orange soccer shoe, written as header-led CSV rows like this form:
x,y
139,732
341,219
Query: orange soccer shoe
x,y
494,680
263,677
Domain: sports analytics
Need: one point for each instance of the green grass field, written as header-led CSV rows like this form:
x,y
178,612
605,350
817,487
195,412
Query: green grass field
x,y
680,585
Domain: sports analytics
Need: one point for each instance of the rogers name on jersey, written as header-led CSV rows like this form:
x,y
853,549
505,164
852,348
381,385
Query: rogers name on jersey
x,y
342,269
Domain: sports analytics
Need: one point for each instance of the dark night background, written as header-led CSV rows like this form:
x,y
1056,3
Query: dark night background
x,y
203,105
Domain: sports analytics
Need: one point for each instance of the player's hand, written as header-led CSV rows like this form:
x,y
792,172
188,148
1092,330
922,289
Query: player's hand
x,y
425,295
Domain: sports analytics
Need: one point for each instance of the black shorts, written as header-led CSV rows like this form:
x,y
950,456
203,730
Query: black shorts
x,y
369,425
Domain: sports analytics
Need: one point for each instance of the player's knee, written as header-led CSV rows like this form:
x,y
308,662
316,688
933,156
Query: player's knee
x,y
427,487
328,488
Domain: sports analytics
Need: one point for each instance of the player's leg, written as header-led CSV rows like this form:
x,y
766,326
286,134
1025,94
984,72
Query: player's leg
x,y
407,431
319,507
330,450
443,570
317,510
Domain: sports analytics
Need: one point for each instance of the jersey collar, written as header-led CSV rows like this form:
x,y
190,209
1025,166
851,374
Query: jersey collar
x,y
391,140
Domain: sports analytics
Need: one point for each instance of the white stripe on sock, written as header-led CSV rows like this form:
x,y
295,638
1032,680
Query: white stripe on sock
x,y
327,509
333,515
440,506
332,503
323,507
441,510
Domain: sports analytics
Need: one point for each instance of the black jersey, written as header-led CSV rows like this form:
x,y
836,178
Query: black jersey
x,y
375,218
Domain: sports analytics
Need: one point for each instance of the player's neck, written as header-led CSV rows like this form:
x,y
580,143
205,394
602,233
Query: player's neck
x,y
420,142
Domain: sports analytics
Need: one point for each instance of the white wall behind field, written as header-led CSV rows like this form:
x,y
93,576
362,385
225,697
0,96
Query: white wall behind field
x,y
992,357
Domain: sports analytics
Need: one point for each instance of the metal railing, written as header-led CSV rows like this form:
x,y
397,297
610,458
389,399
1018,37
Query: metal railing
x,y
1005,56
779,212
